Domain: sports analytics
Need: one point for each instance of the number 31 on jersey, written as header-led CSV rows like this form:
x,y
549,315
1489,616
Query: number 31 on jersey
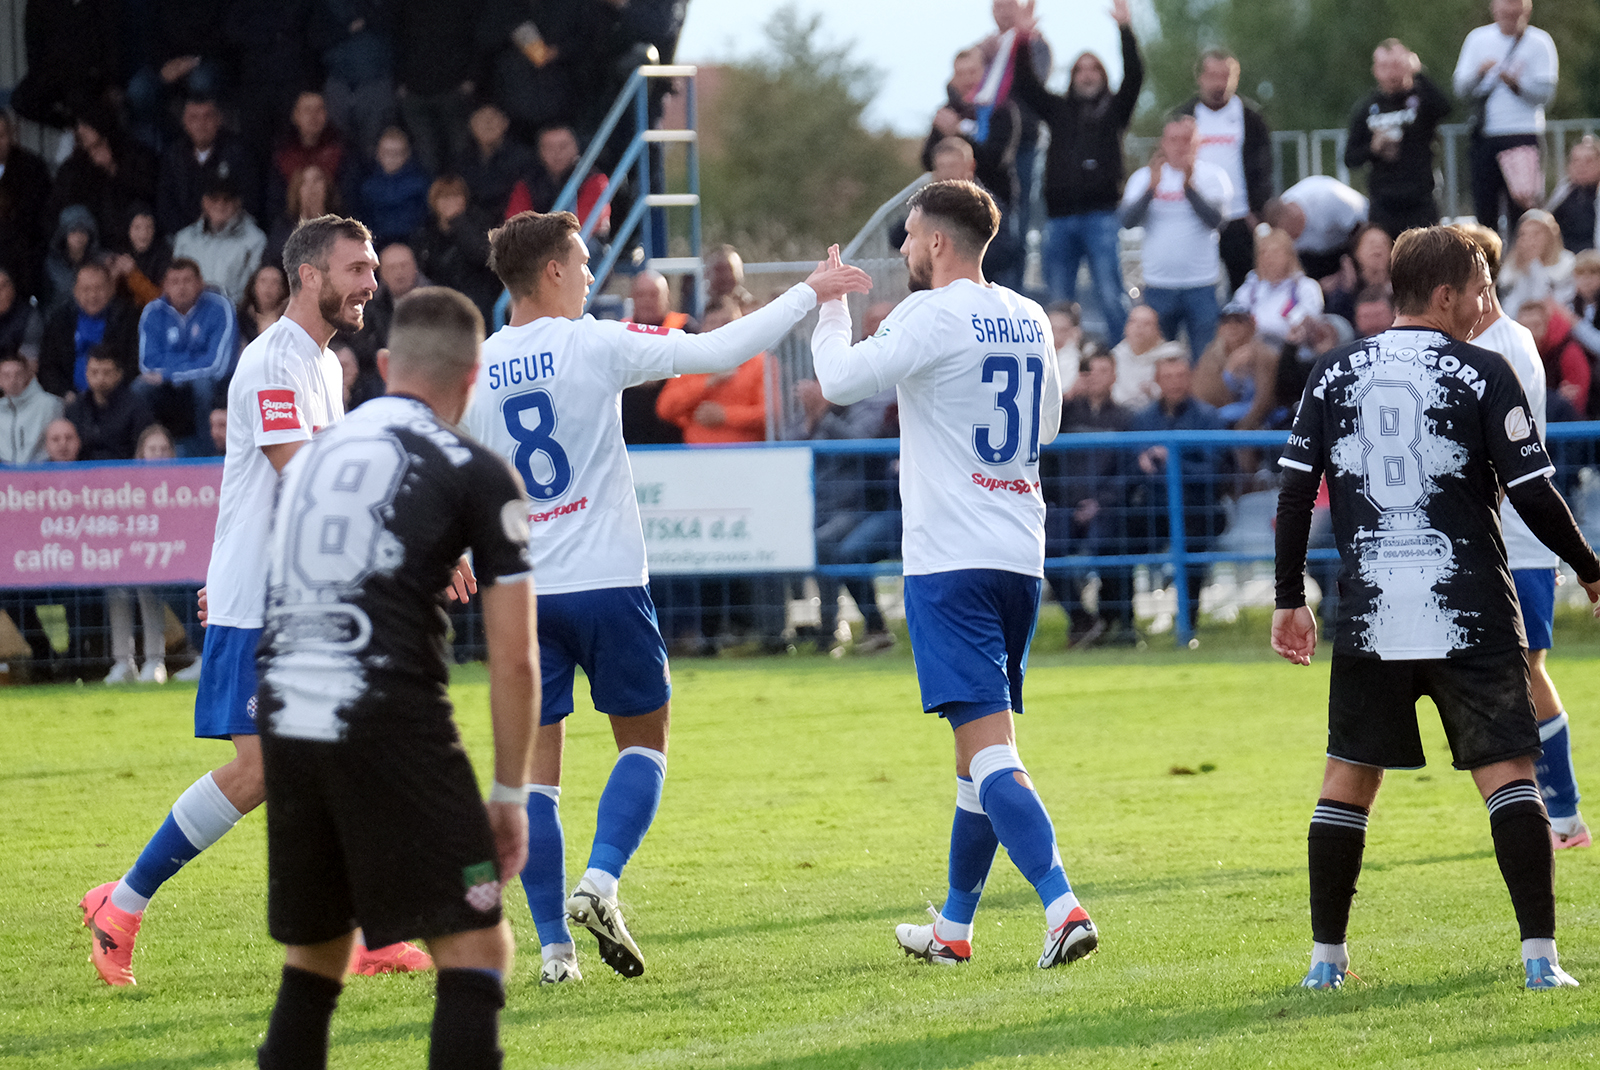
x,y
1006,372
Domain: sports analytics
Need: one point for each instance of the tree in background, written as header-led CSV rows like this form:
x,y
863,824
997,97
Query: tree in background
x,y
787,164
1307,62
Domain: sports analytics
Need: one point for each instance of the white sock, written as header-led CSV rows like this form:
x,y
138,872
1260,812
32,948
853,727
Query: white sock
x,y
558,951
1338,954
1566,826
603,882
125,898
1539,949
1057,912
203,813
948,930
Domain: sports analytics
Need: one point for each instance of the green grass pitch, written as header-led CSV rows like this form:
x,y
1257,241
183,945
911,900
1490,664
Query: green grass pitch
x,y
807,811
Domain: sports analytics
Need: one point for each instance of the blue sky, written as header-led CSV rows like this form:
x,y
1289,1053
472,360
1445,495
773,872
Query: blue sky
x,y
912,41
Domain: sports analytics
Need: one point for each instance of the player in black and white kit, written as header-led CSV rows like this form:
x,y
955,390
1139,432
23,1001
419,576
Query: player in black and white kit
x,y
374,817
1417,433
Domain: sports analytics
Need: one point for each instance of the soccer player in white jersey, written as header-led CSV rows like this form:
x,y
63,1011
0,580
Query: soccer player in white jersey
x,y
287,387
549,398
975,370
1533,568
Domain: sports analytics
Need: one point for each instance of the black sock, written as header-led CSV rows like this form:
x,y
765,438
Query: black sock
x,y
466,1021
1521,831
297,1035
1334,845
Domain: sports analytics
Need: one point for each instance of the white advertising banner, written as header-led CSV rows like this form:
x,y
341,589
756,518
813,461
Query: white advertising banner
x,y
726,509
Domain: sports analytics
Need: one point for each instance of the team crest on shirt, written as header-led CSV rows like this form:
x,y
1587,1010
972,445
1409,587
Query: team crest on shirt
x,y
1517,425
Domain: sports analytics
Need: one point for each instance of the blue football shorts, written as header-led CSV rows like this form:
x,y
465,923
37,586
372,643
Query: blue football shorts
x,y
1536,590
613,635
226,702
970,631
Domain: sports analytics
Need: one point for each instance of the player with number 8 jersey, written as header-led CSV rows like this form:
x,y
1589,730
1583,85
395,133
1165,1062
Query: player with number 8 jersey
x,y
549,399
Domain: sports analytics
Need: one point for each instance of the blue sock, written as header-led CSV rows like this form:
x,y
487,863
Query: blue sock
x,y
1557,782
627,807
544,877
1020,821
972,844
163,856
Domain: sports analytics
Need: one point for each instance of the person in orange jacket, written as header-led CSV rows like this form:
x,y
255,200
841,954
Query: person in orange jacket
x,y
724,407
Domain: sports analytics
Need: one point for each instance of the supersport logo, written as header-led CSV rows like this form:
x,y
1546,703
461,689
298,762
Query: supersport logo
x,y
1020,486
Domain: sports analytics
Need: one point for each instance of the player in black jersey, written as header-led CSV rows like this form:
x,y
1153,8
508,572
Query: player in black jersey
x,y
1418,433
374,817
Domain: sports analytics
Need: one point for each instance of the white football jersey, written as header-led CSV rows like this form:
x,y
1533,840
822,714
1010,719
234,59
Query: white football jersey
x,y
285,389
975,370
549,400
1514,342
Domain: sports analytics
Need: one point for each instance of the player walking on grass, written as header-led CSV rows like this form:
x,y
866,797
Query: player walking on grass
x,y
974,364
1533,568
1418,432
287,386
549,399
373,812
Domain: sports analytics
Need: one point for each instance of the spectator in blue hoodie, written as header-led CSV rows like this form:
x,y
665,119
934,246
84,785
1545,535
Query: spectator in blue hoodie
x,y
394,196
187,341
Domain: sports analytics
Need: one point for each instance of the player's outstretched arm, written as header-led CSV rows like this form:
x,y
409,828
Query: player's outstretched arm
x,y
847,373
510,625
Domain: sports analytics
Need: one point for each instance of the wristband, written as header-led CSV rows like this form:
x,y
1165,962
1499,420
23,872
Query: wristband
x,y
502,794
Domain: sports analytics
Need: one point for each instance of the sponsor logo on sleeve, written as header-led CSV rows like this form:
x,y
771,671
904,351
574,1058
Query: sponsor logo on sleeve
x,y
278,410
1517,425
647,328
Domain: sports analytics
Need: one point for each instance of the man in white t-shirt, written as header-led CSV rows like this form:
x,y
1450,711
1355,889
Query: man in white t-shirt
x,y
975,370
1320,213
287,387
549,399
1234,137
1533,568
1180,200
1508,71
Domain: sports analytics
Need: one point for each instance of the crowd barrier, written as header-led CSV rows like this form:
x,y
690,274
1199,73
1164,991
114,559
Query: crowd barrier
x,y
745,542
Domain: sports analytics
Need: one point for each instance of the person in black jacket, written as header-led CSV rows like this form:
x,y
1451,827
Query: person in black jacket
x,y
200,155
109,415
24,222
1235,137
452,247
1393,129
108,172
72,59
1083,172
437,69
95,317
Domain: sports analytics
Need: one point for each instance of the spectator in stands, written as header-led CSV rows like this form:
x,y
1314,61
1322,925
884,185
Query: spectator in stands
x,y
452,248
558,158
1573,201
354,38
1180,200
24,222
725,278
109,415
1238,372
25,411
187,61
1177,409
1011,15
1374,312
724,407
1366,268
1083,173
72,57
224,241
394,194
1566,365
273,59
94,316
310,193
1277,294
195,160
953,160
1136,355
188,340
20,325
1507,73
265,300
994,140
76,242
1066,329
652,307
360,385
154,444
61,442
1393,130
219,431
1537,267
1320,214
398,275
494,163
107,173
1585,299
1232,135
311,141
1086,488
1322,333
540,55
438,69
140,261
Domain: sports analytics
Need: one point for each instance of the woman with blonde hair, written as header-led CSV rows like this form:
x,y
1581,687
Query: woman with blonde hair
x,y
311,193
1278,294
1537,267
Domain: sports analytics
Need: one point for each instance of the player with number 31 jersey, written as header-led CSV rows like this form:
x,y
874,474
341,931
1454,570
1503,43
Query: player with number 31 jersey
x,y
549,399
